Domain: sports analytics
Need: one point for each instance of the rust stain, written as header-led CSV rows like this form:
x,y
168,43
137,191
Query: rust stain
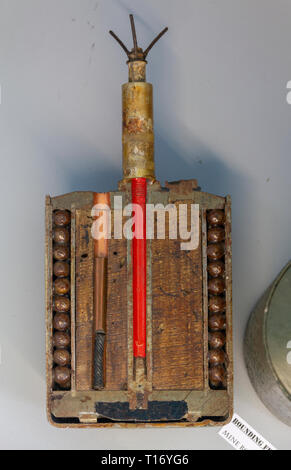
x,y
135,126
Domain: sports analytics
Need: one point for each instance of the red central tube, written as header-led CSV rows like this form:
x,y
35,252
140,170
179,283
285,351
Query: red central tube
x,y
139,269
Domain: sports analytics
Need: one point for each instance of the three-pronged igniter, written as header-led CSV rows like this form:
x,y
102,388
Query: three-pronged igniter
x,y
137,53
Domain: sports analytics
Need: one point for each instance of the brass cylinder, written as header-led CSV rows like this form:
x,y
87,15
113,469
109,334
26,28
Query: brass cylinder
x,y
137,130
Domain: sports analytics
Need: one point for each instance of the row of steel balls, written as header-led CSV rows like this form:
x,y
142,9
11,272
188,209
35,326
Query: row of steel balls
x,y
61,299
216,298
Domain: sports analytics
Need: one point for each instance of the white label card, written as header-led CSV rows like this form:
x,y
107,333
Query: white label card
x,y
240,435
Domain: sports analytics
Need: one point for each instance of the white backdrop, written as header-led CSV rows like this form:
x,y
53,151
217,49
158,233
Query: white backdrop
x,y
221,116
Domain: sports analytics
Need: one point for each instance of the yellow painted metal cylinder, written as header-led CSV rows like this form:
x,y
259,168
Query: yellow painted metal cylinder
x,y
137,130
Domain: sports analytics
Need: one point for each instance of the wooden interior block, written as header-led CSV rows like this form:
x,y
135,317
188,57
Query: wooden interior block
x,y
116,319
177,325
177,316
84,300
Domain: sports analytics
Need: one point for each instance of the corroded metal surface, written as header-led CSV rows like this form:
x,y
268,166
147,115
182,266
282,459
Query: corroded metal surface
x,y
137,71
137,130
137,53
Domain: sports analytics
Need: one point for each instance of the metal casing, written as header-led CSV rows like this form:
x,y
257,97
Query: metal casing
x,y
267,346
137,130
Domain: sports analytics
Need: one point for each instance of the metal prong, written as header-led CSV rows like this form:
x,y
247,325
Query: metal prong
x,y
120,42
136,53
135,46
154,41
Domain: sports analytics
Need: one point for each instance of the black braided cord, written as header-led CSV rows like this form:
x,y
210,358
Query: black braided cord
x,y
98,376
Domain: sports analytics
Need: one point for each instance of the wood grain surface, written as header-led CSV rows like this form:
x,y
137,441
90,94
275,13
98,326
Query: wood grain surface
x,y
116,318
84,300
177,316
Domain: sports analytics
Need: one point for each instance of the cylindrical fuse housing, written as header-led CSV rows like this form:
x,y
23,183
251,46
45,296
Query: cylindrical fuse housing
x,y
137,128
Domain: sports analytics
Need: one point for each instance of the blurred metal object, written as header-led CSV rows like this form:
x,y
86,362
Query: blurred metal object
x,y
267,347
